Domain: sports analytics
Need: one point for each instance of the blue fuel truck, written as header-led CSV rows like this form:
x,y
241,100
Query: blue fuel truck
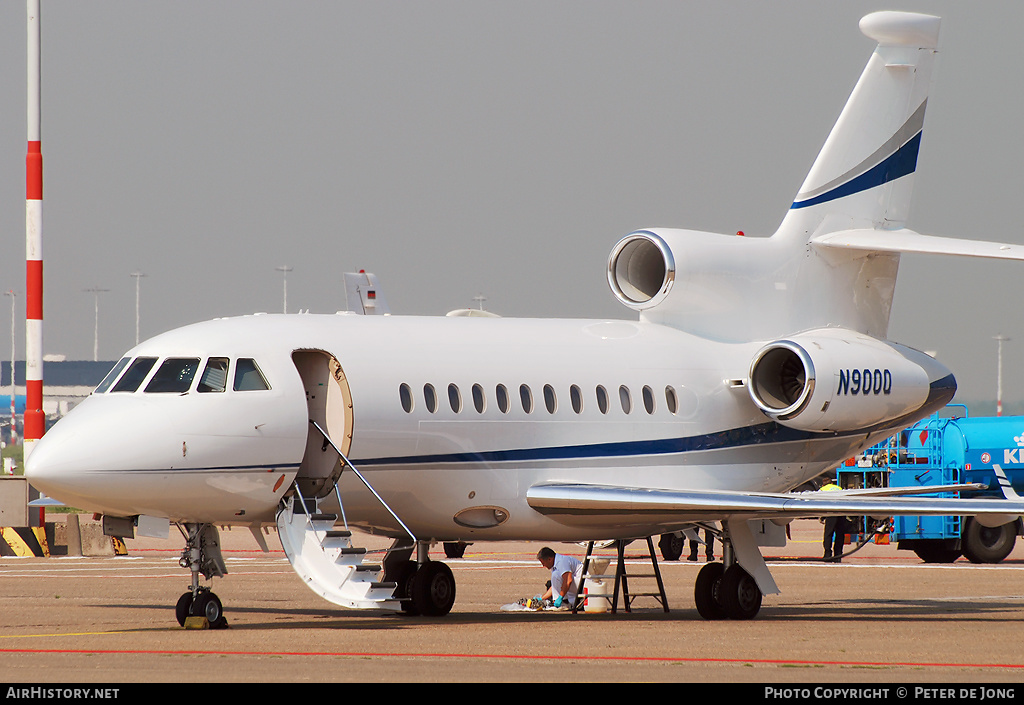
x,y
947,449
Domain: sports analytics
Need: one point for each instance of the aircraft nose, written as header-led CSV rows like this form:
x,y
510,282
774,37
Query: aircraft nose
x,y
79,461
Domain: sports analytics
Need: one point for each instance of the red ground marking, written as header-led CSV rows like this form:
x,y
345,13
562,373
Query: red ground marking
x,y
561,657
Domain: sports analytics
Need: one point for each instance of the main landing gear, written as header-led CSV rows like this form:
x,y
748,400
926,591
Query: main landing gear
x,y
201,555
425,587
725,590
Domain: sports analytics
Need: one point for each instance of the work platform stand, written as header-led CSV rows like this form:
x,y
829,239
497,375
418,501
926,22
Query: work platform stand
x,y
622,579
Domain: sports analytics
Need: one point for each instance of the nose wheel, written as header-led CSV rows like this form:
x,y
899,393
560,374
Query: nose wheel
x,y
201,555
205,604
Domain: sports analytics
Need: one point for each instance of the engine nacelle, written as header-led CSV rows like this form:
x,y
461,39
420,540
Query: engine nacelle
x,y
641,270
838,380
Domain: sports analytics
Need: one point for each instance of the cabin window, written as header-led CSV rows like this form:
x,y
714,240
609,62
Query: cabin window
x,y
526,397
602,399
576,398
430,397
550,401
648,395
671,399
174,376
135,374
405,394
478,399
454,398
215,376
112,375
501,394
248,377
625,399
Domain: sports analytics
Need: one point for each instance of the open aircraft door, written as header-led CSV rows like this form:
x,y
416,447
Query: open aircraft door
x,y
329,404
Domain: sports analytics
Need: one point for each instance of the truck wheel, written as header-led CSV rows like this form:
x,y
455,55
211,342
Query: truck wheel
x,y
935,551
982,544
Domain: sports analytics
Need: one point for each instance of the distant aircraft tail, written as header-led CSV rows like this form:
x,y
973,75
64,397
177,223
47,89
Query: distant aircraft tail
x,y
363,294
863,176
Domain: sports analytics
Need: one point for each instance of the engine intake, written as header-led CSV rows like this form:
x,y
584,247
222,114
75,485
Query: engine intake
x,y
641,270
837,380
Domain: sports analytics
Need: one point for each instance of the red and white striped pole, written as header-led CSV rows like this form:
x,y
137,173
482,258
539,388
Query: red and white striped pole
x,y
35,423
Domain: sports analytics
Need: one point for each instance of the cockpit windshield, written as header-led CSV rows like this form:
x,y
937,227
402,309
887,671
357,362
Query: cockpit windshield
x,y
215,376
174,375
248,376
112,375
135,374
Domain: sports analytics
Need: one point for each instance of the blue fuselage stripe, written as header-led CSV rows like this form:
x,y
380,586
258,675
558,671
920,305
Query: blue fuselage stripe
x,y
749,435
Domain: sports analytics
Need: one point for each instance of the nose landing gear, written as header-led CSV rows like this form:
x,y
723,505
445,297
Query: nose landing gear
x,y
201,555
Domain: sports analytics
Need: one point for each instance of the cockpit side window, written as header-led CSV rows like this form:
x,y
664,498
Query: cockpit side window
x,y
112,375
248,376
135,374
175,375
215,376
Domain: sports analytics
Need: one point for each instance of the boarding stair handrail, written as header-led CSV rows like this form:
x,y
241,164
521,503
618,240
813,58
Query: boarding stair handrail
x,y
345,461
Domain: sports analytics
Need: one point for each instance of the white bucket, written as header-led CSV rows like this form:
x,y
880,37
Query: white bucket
x,y
595,604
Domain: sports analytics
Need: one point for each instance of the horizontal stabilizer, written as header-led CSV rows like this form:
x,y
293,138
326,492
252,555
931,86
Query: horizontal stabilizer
x,y
904,240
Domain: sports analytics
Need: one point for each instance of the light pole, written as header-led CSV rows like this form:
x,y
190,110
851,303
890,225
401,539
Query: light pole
x,y
1000,339
137,276
14,426
96,291
284,269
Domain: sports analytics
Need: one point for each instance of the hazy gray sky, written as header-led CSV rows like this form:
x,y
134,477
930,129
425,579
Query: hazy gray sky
x,y
458,148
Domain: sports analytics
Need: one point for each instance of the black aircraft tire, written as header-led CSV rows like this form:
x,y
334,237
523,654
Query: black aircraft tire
x,y
208,605
982,544
433,589
705,591
671,546
404,578
739,594
181,609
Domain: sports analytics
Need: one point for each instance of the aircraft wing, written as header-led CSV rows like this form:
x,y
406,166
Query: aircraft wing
x,y
576,499
904,240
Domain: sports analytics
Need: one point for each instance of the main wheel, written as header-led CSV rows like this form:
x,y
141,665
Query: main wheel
x,y
705,591
433,589
404,577
671,546
739,594
983,544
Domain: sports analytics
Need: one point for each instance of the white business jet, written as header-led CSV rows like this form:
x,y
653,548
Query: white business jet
x,y
755,364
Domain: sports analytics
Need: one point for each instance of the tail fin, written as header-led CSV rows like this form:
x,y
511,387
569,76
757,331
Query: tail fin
x,y
863,176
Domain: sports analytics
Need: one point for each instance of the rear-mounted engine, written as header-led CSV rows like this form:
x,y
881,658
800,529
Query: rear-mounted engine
x,y
838,380
641,270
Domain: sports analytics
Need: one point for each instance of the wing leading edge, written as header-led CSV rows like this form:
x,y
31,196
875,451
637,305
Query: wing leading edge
x,y
578,499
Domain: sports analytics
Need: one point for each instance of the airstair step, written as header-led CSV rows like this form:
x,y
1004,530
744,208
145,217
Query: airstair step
x,y
328,563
